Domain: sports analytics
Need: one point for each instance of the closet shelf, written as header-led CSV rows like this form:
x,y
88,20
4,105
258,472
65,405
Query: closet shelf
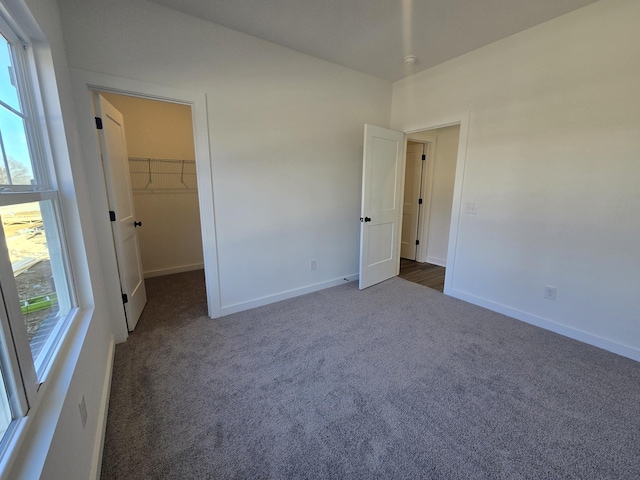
x,y
162,174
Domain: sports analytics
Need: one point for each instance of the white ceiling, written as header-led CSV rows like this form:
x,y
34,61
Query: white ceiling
x,y
373,36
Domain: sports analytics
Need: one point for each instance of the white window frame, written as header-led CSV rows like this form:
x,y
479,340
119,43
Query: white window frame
x,y
22,377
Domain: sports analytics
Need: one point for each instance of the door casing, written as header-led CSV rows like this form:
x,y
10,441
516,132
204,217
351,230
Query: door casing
x,y
410,239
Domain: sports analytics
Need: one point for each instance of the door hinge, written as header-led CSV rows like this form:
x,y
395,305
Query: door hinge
x,y
125,299
419,201
98,123
112,215
417,242
424,157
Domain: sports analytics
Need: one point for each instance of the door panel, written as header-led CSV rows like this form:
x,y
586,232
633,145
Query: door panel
x,y
381,239
116,167
382,175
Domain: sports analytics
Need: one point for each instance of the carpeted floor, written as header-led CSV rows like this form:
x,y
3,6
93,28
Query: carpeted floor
x,y
395,382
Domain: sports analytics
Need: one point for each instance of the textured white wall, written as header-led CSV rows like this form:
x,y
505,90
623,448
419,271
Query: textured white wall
x,y
552,162
170,237
286,132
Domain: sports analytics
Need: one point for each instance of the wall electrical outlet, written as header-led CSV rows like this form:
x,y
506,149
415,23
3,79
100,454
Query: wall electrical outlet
x,y
550,292
471,208
83,412
313,265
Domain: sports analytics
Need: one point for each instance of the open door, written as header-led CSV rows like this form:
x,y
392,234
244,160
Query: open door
x,y
381,212
123,220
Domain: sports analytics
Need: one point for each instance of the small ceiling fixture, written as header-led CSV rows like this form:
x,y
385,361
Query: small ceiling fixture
x,y
410,59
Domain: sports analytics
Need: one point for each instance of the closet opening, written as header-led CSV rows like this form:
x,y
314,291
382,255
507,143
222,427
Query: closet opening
x,y
160,151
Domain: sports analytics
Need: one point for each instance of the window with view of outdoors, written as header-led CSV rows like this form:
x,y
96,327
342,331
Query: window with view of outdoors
x,y
31,247
29,228
16,162
35,282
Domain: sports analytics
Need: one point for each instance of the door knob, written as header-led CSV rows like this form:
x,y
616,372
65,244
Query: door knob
x,y
137,224
367,219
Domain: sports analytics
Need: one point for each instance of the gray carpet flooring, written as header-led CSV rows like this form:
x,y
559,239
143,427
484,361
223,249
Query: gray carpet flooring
x,y
395,382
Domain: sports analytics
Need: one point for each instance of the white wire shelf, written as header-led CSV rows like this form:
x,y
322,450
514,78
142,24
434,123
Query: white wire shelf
x,y
162,174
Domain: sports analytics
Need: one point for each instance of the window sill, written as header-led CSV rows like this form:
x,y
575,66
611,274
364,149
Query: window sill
x,y
26,450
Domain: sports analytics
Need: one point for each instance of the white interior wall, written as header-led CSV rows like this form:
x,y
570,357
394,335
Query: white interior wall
x,y
170,237
552,162
286,132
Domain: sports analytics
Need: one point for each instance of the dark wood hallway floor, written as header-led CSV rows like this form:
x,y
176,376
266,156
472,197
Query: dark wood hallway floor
x,y
426,274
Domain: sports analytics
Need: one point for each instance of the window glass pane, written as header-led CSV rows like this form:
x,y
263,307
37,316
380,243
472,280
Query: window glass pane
x,y
14,150
15,160
38,267
8,91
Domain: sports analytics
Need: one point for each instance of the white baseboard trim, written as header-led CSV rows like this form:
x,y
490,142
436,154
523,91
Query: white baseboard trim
x,y
98,448
259,302
574,333
437,261
170,271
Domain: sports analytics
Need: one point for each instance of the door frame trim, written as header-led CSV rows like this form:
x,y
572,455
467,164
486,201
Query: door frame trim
x,y
426,191
417,195
83,84
463,119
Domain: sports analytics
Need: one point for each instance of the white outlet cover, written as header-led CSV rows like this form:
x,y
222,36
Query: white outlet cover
x,y
550,292
471,208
